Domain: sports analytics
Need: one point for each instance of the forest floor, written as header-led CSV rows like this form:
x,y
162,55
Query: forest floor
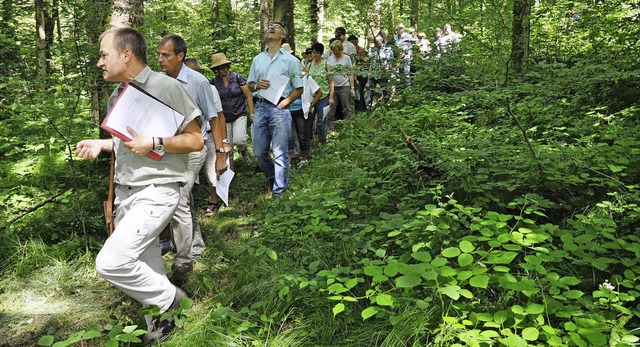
x,y
68,297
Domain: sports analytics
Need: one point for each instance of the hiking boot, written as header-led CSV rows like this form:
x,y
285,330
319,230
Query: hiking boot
x,y
212,206
179,276
247,161
161,327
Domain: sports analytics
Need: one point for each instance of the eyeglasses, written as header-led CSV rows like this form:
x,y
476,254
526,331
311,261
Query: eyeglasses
x,y
164,56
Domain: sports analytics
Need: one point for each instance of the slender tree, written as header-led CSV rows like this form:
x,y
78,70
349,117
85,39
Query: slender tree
x,y
264,19
414,6
283,12
314,20
521,31
127,13
41,39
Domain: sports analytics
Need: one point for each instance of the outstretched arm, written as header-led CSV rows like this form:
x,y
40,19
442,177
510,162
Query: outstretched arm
x,y
90,149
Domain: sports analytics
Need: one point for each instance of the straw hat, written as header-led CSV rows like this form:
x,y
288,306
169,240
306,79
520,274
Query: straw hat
x,y
218,59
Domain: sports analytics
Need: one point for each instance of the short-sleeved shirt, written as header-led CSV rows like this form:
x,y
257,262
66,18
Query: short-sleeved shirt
x,y
319,74
349,48
232,97
283,63
217,107
340,68
133,170
198,87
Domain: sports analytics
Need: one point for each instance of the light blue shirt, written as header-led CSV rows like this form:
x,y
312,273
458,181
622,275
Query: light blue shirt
x,y
200,90
283,63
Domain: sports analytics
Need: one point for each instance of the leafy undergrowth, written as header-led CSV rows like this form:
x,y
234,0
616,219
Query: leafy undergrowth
x,y
480,217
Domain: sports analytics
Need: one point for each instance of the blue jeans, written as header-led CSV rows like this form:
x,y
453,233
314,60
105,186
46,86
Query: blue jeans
x,y
321,119
272,128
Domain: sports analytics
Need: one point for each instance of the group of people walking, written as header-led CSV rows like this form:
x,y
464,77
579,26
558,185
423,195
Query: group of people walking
x,y
287,100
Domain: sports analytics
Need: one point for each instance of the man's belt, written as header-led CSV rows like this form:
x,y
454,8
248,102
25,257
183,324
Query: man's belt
x,y
257,99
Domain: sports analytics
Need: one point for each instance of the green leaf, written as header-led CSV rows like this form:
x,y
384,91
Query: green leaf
x,y
466,246
384,300
337,288
408,281
272,254
451,291
111,343
466,293
424,257
283,292
352,283
465,259
530,334
91,334
451,252
570,280
369,312
533,308
129,329
573,294
514,341
391,269
421,304
499,257
479,281
46,340
372,270
339,307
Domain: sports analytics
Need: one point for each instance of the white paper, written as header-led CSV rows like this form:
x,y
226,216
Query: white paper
x,y
277,84
144,114
325,111
308,94
222,186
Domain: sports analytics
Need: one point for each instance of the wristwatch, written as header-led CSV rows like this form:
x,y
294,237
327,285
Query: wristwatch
x,y
220,150
160,146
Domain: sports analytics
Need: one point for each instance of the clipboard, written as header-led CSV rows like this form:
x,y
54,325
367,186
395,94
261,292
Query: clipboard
x,y
144,113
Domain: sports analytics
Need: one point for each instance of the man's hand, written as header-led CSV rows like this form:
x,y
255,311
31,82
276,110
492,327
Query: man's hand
x,y
263,83
140,145
221,163
331,101
88,149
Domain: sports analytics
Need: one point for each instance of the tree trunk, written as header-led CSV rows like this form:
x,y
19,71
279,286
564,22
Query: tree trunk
x,y
520,34
314,20
98,12
373,14
283,12
321,10
414,6
264,20
127,13
7,30
41,40
50,21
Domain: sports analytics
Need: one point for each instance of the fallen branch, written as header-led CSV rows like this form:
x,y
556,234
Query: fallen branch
x,y
32,209
428,166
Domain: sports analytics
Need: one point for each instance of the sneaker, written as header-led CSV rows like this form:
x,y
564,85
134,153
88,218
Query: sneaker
x,y
180,275
247,161
302,163
212,206
161,327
